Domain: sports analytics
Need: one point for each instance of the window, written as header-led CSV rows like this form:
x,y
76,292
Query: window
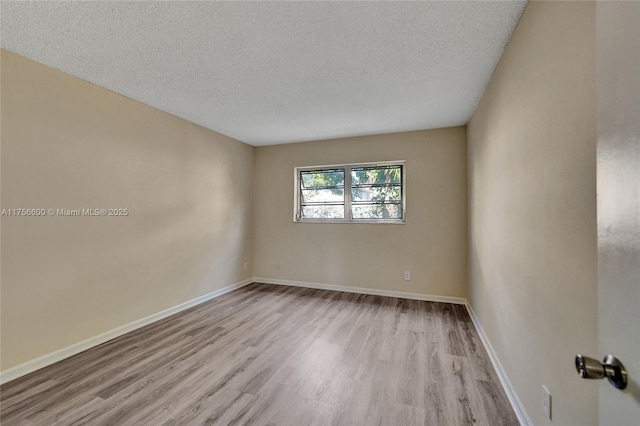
x,y
355,193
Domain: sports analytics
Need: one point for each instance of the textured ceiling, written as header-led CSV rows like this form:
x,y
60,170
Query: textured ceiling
x,y
277,72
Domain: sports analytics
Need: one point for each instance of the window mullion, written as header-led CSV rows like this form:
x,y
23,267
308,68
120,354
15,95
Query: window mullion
x,y
347,194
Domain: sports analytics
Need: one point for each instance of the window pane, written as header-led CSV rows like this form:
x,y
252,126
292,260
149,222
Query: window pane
x,y
322,179
376,175
323,212
376,211
376,193
322,196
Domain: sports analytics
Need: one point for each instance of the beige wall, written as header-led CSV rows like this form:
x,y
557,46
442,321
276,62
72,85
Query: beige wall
x,y
69,144
432,244
532,192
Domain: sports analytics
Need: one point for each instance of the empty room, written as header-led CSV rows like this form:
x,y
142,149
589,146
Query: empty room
x,y
339,213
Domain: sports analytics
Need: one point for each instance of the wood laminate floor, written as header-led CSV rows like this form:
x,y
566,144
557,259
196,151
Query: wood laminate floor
x,y
273,355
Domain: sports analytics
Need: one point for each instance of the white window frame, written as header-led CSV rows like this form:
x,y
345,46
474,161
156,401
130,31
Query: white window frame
x,y
347,193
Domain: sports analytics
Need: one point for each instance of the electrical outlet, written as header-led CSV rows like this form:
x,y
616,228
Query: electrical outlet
x,y
546,402
278,267
245,267
407,276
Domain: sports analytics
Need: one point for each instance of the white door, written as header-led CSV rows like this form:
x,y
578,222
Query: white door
x,y
618,123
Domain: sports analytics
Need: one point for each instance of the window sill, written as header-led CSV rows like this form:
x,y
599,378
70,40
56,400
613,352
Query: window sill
x,y
351,222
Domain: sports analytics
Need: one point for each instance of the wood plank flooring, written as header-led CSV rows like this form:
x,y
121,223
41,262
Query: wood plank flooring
x,y
274,355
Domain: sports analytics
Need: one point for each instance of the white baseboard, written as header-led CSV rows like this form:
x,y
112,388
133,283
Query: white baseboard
x,y
516,404
362,290
53,357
